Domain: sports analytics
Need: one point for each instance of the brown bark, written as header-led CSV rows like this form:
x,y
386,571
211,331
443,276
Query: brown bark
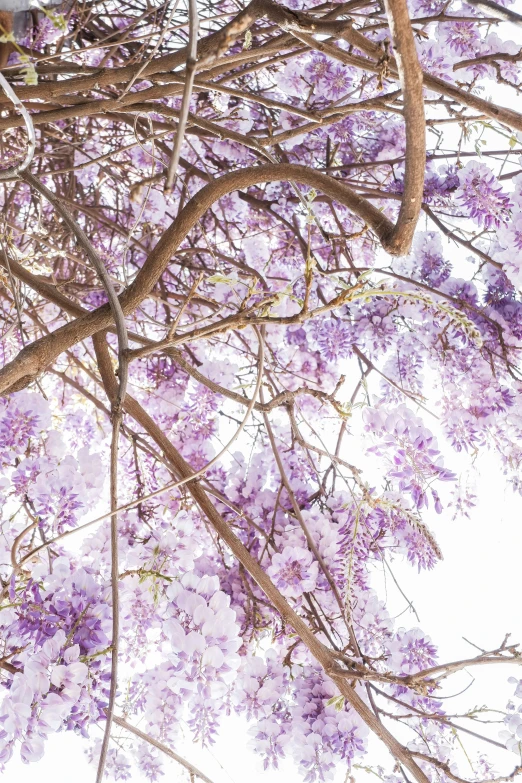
x,y
6,26
33,359
412,90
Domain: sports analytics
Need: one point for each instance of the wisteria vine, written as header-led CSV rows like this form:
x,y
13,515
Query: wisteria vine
x,y
253,255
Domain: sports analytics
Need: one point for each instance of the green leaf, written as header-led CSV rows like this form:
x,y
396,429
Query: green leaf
x,y
337,702
221,279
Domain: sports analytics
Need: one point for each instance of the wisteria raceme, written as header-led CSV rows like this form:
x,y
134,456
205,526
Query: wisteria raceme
x,y
288,262
482,196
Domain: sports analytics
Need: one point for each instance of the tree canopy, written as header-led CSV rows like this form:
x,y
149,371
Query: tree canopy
x,y
254,258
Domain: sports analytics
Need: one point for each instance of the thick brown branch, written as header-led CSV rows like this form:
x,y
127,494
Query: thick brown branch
x,y
31,361
412,88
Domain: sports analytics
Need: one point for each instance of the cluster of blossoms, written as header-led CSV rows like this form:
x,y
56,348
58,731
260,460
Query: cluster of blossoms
x,y
512,734
411,450
202,640
293,571
508,250
319,734
482,196
42,698
38,471
52,629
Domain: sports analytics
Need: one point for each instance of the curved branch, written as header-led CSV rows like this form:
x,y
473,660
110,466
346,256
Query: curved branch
x,y
99,266
497,10
190,74
412,88
31,361
31,139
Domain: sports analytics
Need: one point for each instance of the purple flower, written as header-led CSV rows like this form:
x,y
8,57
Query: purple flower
x,y
463,38
482,196
294,571
334,339
411,651
149,762
23,416
32,749
69,678
434,268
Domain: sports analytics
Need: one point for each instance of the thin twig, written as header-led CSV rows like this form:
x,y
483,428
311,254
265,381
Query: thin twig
x,y
190,71
160,746
13,171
